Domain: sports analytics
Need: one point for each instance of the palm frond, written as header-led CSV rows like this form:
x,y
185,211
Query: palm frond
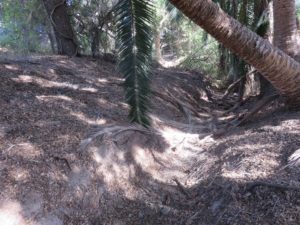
x,y
134,40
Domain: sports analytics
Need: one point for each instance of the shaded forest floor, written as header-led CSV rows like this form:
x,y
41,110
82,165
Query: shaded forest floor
x,y
69,156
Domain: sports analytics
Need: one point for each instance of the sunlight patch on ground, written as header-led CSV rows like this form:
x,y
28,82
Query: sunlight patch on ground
x,y
19,174
87,120
172,63
11,67
50,84
102,80
89,89
179,139
54,97
25,150
112,165
3,50
51,71
57,176
252,166
10,213
63,62
45,83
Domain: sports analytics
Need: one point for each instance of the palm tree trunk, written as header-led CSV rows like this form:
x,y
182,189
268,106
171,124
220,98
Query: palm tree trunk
x,y
285,26
276,66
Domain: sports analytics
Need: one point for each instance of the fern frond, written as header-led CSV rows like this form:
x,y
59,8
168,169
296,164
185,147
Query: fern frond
x,y
134,38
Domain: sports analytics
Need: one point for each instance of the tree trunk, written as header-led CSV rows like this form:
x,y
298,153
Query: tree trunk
x,y
57,11
285,26
95,41
260,8
52,38
276,66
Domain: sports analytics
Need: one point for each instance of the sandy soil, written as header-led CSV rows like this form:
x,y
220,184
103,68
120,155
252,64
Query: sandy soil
x,y
69,156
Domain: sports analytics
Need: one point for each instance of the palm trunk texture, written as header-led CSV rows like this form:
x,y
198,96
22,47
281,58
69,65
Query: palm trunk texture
x,y
285,26
280,69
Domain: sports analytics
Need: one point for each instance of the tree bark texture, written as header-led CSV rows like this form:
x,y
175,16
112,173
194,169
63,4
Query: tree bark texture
x,y
285,26
57,11
280,69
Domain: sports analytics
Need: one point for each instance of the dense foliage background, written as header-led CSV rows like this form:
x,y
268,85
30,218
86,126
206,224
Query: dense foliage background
x,y
25,27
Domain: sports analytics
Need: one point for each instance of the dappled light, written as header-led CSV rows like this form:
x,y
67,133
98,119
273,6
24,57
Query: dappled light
x,y
44,83
69,141
128,113
11,213
85,119
54,98
25,150
10,67
20,175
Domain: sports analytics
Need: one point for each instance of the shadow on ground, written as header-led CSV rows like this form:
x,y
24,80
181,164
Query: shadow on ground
x,y
177,174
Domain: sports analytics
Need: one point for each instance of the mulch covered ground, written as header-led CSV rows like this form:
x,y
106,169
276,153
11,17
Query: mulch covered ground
x,y
69,156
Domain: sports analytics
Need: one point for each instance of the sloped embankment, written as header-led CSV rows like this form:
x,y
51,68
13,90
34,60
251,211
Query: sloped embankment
x,y
68,155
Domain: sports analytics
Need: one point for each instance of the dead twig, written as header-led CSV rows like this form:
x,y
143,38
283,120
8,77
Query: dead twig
x,y
181,188
281,187
63,160
192,218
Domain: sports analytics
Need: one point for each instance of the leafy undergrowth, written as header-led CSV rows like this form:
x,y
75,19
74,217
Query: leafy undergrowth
x,y
69,156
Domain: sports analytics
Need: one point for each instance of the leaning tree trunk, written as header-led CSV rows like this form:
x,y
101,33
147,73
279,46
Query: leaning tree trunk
x,y
276,66
285,26
57,12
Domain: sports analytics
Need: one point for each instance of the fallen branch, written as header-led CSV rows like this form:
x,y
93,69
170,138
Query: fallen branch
x,y
262,103
242,119
232,86
281,187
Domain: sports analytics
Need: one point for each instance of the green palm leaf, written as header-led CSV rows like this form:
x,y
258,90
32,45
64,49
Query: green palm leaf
x,y
134,36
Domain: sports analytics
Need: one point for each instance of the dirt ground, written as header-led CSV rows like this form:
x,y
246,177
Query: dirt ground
x,y
69,156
